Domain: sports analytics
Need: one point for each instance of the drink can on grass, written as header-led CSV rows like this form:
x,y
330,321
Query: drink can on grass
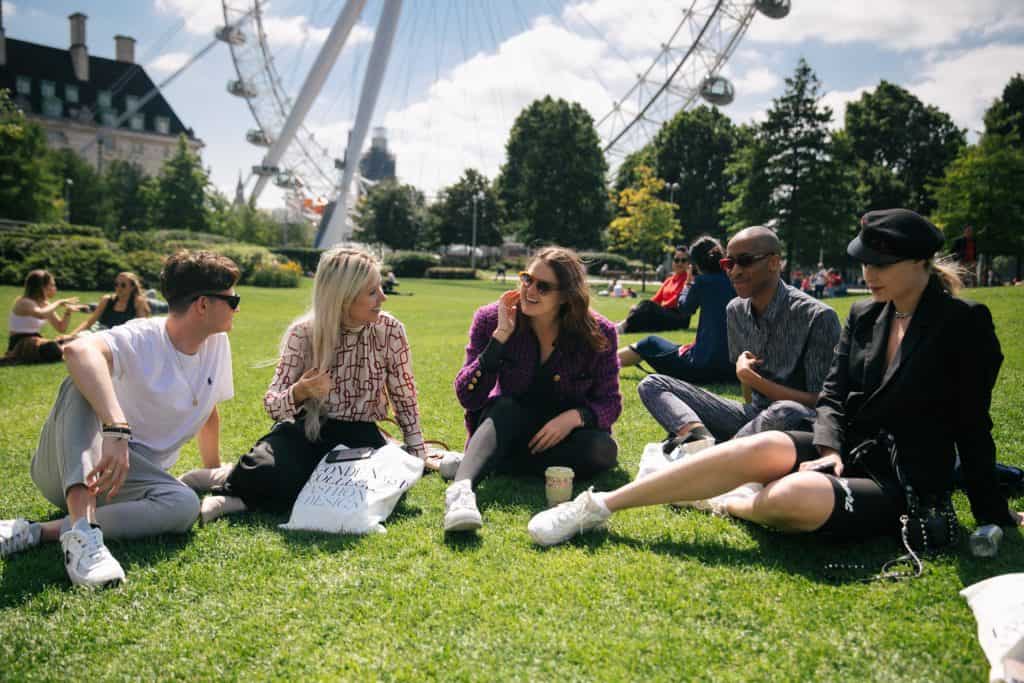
x,y
558,484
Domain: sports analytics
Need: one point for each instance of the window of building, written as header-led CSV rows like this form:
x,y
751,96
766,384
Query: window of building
x,y
131,102
109,118
24,85
71,93
48,88
103,99
137,122
163,125
53,107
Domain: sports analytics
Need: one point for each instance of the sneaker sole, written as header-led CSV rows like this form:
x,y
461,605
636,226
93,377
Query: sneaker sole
x,y
470,523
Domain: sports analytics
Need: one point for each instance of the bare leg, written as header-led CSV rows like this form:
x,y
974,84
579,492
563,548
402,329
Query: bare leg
x,y
628,357
802,501
760,458
80,503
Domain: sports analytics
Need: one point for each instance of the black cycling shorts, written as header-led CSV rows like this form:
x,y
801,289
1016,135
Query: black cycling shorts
x,y
862,507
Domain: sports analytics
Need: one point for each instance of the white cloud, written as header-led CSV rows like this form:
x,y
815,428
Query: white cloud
x,y
755,81
201,16
965,83
896,25
168,62
838,99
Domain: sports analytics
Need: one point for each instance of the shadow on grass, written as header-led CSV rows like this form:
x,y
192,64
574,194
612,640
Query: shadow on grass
x,y
30,573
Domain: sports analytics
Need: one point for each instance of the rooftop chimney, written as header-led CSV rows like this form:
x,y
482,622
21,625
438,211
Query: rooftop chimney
x,y
124,49
79,53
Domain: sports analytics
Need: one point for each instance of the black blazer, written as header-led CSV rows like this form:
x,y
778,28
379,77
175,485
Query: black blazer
x,y
934,397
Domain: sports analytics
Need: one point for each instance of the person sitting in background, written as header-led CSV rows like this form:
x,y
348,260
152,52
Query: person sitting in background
x,y
780,342
126,303
389,283
707,358
32,310
915,361
540,384
660,312
341,364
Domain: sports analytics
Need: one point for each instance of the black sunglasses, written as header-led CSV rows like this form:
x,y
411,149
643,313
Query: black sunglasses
x,y
543,288
743,260
231,300
680,260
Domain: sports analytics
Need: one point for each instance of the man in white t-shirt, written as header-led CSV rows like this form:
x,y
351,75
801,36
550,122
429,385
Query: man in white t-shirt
x,y
136,393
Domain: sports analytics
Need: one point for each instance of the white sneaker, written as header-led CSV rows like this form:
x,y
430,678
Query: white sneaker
x,y
214,507
17,535
206,479
87,560
449,465
564,521
717,505
460,511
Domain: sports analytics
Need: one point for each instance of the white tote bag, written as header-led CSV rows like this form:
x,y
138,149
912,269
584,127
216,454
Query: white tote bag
x,y
353,490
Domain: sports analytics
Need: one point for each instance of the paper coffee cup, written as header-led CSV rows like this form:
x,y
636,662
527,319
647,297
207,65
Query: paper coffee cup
x,y
558,484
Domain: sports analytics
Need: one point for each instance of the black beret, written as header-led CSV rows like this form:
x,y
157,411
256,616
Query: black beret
x,y
894,235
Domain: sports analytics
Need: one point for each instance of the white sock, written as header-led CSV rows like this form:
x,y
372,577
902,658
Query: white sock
x,y
599,499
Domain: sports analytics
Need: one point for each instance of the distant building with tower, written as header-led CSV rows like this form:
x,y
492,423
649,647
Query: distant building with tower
x,y
378,163
102,108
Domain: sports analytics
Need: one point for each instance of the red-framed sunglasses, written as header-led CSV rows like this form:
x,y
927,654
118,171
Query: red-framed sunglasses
x,y
743,260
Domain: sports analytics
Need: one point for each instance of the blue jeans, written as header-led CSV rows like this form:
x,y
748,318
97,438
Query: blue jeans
x,y
675,403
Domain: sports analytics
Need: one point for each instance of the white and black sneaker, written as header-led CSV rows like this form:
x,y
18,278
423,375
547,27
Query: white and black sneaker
x,y
17,535
460,511
87,560
562,522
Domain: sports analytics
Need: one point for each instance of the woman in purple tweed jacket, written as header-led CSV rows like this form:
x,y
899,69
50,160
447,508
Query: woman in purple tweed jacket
x,y
540,384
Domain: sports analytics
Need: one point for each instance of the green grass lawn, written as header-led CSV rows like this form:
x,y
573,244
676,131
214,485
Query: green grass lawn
x,y
663,595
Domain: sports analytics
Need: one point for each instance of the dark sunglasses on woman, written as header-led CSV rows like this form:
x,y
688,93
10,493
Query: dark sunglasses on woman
x,y
743,260
543,288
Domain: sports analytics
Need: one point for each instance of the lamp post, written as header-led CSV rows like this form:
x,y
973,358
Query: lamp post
x,y
477,198
68,182
672,187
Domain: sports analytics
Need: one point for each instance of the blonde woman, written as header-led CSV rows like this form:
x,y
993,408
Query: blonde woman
x,y
126,303
341,364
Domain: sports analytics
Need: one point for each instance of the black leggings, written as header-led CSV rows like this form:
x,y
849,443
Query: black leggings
x,y
648,316
270,476
501,443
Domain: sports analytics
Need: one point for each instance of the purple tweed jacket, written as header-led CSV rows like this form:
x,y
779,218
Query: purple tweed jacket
x,y
586,378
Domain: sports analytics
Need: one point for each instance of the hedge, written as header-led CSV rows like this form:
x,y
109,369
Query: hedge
x,y
411,263
593,260
277,275
447,273
307,257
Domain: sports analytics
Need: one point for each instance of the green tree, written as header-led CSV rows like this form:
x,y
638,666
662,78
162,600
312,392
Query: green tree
x,y
391,214
626,174
178,198
749,191
452,213
901,144
126,205
84,189
29,191
553,181
810,189
694,149
982,188
1006,115
648,227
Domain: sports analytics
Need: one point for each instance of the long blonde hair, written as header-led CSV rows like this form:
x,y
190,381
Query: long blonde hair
x,y
949,273
341,276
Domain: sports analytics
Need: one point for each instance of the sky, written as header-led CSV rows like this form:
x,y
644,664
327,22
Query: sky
x,y
461,70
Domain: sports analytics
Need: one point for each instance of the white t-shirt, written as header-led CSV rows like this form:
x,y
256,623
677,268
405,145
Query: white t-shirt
x,y
155,384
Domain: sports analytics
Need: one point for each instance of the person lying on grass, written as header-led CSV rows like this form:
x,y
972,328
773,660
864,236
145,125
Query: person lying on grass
x,y
340,365
32,310
914,360
540,384
135,394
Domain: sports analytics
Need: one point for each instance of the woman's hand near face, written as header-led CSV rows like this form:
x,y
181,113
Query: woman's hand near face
x,y
508,305
312,384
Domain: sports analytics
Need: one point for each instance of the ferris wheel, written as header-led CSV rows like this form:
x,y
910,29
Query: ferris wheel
x,y
687,67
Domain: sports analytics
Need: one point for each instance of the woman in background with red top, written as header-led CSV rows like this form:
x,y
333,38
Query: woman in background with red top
x,y
341,365
661,312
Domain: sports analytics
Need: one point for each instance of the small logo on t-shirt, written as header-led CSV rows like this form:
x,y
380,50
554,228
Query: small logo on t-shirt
x,y
209,380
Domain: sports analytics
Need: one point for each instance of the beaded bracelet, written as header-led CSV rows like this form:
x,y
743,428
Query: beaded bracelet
x,y
118,430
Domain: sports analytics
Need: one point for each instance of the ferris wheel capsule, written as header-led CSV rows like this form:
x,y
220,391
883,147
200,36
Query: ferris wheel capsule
x,y
718,90
287,180
258,137
773,9
240,88
230,35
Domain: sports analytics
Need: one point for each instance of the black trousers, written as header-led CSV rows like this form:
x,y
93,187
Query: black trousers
x,y
271,475
501,443
648,316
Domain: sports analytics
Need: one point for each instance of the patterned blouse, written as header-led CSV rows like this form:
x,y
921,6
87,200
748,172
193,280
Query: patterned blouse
x,y
372,365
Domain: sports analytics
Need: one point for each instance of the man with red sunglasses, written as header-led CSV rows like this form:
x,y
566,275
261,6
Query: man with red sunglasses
x,y
134,396
781,341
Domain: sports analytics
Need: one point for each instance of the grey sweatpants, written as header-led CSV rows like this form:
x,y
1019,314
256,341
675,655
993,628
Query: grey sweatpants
x,y
150,502
674,403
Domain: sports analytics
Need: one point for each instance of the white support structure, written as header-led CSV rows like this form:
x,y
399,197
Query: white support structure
x,y
337,229
310,88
